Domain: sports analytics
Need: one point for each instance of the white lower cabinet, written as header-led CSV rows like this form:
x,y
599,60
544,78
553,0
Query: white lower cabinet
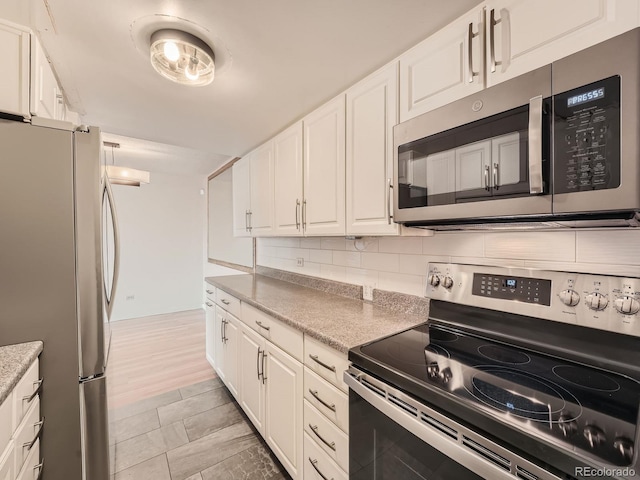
x,y
226,337
251,368
318,465
7,465
210,340
32,465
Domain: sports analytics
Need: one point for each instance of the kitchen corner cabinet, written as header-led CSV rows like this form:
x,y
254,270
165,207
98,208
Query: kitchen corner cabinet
x,y
524,35
14,81
323,209
288,193
445,67
372,112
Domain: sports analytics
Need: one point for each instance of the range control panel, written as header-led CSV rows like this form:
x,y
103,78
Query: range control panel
x,y
596,301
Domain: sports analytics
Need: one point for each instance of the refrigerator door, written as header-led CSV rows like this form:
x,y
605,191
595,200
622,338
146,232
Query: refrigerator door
x,y
94,429
93,330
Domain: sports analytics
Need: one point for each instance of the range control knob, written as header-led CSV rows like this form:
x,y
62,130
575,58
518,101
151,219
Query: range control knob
x,y
447,282
594,435
432,370
596,301
569,297
445,375
624,447
627,305
567,426
434,280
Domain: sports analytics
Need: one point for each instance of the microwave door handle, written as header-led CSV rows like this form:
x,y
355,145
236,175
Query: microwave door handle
x,y
536,183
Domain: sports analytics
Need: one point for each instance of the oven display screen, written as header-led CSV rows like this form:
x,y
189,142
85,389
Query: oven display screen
x,y
585,97
510,283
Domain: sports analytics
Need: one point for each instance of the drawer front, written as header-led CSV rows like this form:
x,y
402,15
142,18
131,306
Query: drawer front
x,y
318,465
230,303
27,433
331,402
287,338
333,441
32,466
210,292
24,392
330,364
6,424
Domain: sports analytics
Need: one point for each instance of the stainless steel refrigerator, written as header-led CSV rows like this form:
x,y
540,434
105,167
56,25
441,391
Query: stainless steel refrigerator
x,y
58,268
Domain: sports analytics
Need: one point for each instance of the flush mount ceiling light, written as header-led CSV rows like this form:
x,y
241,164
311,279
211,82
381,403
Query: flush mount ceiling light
x,y
124,175
182,57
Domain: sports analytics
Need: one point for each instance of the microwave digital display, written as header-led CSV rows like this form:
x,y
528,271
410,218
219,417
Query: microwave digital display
x,y
585,97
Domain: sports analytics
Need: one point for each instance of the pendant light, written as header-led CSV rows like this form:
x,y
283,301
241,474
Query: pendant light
x,y
182,57
124,175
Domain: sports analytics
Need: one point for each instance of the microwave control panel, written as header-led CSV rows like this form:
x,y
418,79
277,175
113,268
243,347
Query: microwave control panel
x,y
587,137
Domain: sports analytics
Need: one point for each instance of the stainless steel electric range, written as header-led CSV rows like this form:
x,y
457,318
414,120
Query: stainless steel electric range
x,y
517,373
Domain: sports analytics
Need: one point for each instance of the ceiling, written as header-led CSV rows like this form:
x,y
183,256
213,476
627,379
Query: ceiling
x,y
277,61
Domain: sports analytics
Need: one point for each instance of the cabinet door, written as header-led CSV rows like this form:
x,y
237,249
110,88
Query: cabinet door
x,y
262,190
231,350
372,109
252,386
14,81
445,67
284,403
241,184
7,464
528,35
287,148
210,331
324,170
45,94
218,342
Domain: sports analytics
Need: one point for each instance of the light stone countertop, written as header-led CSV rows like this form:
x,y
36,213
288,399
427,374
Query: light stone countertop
x,y
14,362
337,321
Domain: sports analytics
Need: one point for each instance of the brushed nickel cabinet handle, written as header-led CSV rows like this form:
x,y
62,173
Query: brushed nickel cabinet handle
x,y
258,362
259,323
470,38
297,214
208,304
492,39
321,363
304,215
496,176
389,212
39,467
209,292
486,178
226,302
331,445
29,398
246,220
330,406
315,467
29,445
264,378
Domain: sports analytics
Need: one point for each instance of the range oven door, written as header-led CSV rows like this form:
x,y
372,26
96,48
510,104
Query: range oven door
x,y
486,155
392,436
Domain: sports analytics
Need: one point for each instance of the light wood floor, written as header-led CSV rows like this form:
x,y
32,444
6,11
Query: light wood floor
x,y
154,355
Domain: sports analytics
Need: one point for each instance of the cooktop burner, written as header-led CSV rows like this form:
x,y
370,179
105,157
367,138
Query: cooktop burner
x,y
503,354
586,378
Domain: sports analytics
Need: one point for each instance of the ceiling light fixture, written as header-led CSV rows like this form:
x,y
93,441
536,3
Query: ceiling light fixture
x,y
182,57
124,175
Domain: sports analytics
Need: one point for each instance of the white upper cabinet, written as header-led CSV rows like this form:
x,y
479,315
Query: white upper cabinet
x,y
262,187
241,184
523,35
372,112
14,80
287,147
446,66
46,97
323,209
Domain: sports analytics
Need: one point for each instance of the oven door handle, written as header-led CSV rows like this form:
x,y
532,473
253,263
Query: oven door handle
x,y
536,181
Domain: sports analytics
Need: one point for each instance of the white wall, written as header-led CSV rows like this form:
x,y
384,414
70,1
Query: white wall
x,y
162,231
399,264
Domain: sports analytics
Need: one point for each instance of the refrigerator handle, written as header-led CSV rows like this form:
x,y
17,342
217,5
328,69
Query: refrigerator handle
x,y
116,240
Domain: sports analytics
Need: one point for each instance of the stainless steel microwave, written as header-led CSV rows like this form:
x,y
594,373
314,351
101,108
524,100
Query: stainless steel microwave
x,y
558,146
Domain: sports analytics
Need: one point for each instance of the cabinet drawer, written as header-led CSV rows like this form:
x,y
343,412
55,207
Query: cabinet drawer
x,y
318,465
287,338
329,401
230,303
32,466
27,433
6,423
210,292
7,465
333,441
25,393
326,362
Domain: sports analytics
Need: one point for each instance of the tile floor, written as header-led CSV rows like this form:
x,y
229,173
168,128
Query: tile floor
x,y
195,433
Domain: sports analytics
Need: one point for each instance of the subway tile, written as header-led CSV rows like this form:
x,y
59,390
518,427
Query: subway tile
x,y
292,253
409,245
595,268
292,242
618,247
310,268
269,251
361,276
491,262
312,242
386,262
333,243
321,256
333,272
469,244
397,282
346,259
559,246
370,244
414,264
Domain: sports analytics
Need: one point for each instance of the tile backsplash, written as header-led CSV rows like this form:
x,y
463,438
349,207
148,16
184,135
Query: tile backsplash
x,y
399,264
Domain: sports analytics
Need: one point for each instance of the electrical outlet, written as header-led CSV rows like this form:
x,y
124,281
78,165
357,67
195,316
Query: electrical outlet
x,y
367,292
131,297
300,261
